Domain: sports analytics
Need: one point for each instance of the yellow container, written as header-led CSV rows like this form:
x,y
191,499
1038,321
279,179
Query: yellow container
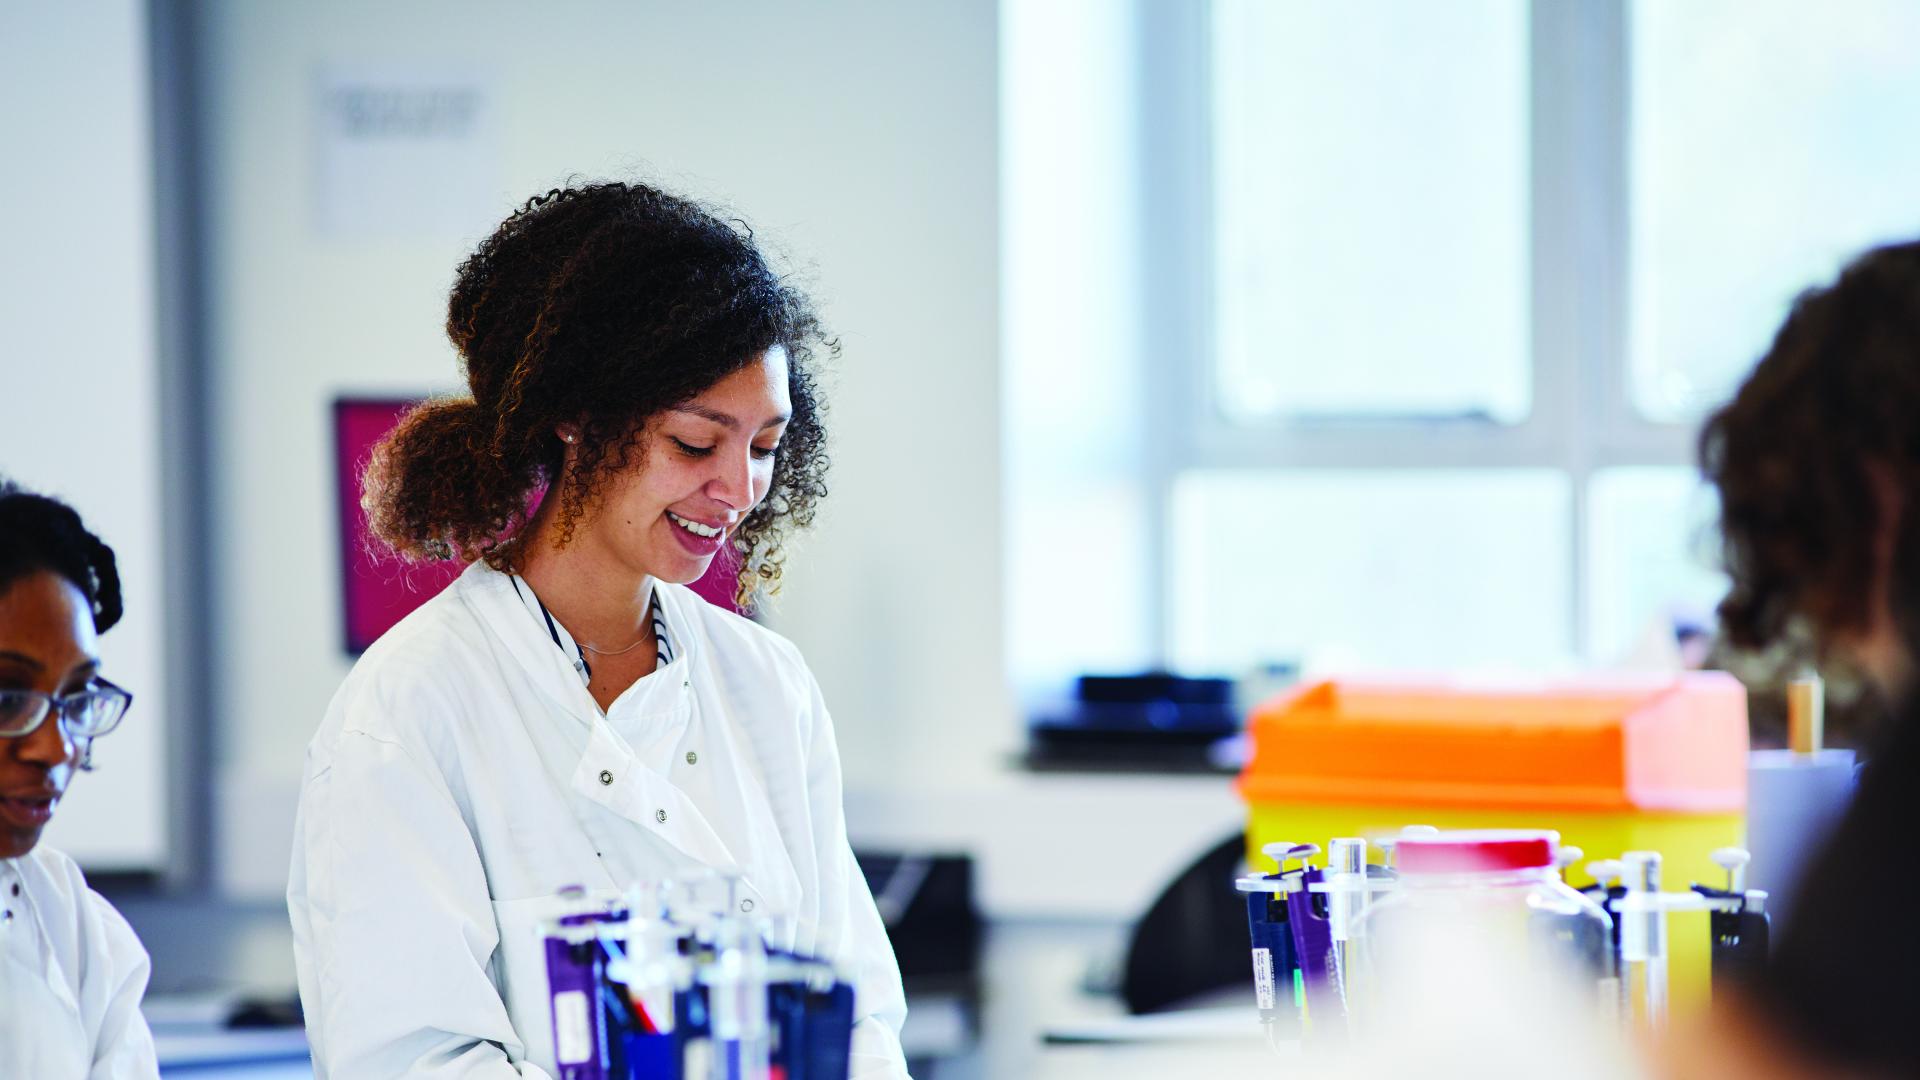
x,y
1631,764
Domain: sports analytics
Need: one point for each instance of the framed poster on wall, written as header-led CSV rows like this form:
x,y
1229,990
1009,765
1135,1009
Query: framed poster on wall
x,y
378,589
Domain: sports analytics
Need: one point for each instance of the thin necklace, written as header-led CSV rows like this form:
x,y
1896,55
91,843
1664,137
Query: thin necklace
x,y
548,616
596,650
652,612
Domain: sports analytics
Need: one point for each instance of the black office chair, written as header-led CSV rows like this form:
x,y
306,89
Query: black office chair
x,y
1193,940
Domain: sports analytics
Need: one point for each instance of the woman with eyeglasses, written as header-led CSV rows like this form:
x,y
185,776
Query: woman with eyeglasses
x,y
71,970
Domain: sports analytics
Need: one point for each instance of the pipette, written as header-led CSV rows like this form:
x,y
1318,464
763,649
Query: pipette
x,y
1643,940
1347,896
1566,856
575,965
1278,991
1313,948
1738,921
737,996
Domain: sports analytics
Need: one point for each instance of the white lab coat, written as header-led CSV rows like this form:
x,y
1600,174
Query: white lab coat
x,y
71,977
464,775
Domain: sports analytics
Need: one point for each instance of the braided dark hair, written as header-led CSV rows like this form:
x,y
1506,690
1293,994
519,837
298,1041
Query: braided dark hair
x,y
41,534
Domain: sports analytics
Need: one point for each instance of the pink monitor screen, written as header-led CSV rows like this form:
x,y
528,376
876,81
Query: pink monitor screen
x,y
378,589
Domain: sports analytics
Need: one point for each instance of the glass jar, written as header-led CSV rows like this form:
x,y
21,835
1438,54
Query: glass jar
x,y
1477,908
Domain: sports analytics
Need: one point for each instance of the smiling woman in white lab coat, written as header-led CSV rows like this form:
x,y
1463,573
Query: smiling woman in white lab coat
x,y
568,712
71,971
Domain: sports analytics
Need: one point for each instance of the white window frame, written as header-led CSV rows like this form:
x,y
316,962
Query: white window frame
x,y
1582,418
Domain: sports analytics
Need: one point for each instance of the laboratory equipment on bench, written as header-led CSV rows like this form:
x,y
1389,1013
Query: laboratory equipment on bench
x,y
1303,925
1279,994
1329,942
1309,921
654,985
1739,928
1642,917
1797,795
1500,887
1348,894
1156,719
1613,764
1741,923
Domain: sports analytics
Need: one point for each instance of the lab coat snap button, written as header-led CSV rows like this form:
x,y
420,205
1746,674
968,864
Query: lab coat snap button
x,y
693,758
605,777
660,816
746,906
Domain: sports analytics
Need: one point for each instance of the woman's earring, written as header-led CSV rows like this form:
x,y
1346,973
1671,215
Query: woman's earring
x,y
86,756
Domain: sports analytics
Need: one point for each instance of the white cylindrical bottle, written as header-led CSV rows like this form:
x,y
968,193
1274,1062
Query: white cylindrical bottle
x,y
737,1003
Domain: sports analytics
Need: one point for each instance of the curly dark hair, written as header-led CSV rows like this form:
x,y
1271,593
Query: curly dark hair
x,y
39,534
1831,413
602,305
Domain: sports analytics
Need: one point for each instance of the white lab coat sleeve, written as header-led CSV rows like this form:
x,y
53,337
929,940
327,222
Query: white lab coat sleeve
x,y
393,924
114,981
77,1014
851,931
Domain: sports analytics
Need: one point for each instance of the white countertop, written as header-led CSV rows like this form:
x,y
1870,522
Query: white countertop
x,y
1058,845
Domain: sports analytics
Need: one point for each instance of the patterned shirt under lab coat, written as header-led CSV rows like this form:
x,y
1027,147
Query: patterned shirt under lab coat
x,y
71,977
464,775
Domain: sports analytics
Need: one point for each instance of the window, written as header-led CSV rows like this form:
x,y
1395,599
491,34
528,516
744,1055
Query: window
x,y
1770,141
1376,336
1650,535
1403,569
1370,233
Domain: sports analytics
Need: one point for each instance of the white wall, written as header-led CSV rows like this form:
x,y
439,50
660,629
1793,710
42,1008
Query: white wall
x,y
859,136
80,413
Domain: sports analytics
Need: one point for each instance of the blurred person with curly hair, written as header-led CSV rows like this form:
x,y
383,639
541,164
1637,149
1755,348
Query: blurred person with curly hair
x,y
1817,464
72,973
643,398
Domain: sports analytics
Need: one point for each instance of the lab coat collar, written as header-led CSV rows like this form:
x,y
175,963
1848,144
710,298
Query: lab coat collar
x,y
491,596
634,792
507,613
